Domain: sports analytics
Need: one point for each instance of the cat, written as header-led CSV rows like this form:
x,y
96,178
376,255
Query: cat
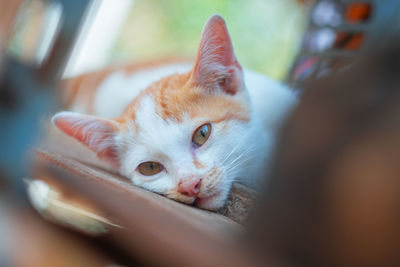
x,y
181,130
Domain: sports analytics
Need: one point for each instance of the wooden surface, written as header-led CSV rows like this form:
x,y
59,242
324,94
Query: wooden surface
x,y
182,235
237,207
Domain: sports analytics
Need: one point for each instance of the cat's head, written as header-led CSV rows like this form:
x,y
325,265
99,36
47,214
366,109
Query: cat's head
x,y
185,136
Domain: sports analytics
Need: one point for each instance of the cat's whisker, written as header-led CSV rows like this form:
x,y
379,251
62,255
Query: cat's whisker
x,y
232,151
234,167
232,171
235,147
236,161
246,152
233,175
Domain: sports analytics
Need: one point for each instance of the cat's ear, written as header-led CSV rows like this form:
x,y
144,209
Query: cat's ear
x,y
216,65
96,133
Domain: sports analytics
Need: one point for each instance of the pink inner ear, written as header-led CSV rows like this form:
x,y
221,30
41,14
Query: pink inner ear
x,y
95,133
216,64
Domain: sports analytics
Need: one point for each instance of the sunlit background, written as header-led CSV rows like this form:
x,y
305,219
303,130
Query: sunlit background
x,y
266,33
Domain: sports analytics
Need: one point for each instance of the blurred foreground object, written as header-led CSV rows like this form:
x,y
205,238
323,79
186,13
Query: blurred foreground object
x,y
334,194
27,92
28,80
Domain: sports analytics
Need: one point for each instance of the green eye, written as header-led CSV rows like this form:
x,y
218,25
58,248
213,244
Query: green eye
x,y
201,135
150,168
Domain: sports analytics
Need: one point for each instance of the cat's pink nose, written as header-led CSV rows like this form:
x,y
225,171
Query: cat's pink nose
x,y
190,186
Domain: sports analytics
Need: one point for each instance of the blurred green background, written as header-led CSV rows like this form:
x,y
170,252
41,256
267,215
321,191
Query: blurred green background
x,y
266,33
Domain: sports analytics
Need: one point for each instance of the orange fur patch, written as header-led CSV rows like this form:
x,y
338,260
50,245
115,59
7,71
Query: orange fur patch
x,y
176,96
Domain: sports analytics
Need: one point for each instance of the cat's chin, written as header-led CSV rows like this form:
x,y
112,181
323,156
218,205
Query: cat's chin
x,y
212,202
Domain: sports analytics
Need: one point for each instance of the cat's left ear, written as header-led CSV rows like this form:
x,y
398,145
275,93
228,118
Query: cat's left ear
x,y
98,134
216,65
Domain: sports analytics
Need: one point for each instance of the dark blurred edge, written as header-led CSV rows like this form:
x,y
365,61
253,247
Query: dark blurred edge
x,y
303,217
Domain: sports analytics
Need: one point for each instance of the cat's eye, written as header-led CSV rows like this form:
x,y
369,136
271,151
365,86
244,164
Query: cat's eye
x,y
150,168
201,135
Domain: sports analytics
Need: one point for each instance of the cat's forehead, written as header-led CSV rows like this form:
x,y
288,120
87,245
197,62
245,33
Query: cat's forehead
x,y
154,136
175,98
149,123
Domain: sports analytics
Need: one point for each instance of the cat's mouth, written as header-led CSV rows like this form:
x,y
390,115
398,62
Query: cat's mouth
x,y
207,202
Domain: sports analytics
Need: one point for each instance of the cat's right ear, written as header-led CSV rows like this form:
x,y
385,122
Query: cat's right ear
x,y
96,133
216,65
